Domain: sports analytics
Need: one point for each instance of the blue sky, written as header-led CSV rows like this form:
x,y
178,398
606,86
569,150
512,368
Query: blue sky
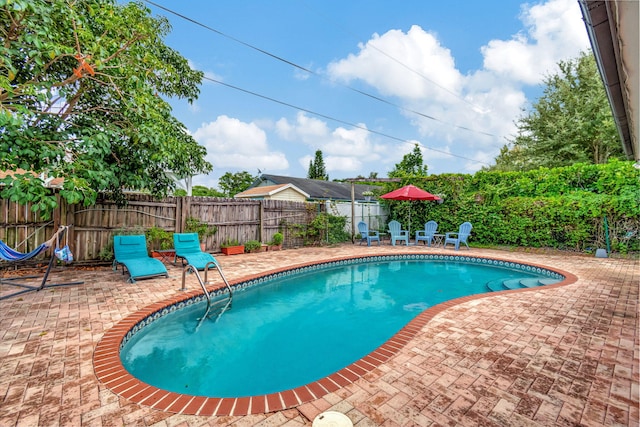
x,y
470,66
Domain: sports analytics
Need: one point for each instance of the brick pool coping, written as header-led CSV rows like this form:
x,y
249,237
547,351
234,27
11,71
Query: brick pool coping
x,y
110,371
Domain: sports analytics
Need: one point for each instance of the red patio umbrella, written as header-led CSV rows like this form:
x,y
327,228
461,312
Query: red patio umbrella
x,y
409,192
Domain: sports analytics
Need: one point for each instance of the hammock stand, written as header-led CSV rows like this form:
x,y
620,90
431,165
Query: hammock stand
x,y
12,256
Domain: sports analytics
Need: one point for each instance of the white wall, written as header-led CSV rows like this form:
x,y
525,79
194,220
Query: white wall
x,y
370,212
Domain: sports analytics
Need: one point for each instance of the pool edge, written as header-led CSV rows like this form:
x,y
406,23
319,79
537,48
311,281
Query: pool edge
x,y
111,373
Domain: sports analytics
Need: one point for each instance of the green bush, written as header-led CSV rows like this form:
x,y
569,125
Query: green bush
x,y
277,239
561,208
158,238
324,228
252,245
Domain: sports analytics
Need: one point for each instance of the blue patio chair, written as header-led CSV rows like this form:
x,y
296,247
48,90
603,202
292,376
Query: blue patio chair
x,y
426,235
131,252
187,246
368,235
396,233
460,237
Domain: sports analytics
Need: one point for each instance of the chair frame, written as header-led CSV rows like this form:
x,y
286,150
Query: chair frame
x,y
134,256
187,248
366,234
461,234
426,235
397,233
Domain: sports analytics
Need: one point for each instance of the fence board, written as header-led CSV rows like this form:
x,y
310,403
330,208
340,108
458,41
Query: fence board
x,y
91,237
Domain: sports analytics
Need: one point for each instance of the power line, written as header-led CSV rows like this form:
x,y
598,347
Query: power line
x,y
324,116
293,64
393,58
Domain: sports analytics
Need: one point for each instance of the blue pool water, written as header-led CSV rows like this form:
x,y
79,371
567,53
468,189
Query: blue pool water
x,y
294,330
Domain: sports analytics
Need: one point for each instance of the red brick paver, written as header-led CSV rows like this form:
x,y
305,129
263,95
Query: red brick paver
x,y
565,355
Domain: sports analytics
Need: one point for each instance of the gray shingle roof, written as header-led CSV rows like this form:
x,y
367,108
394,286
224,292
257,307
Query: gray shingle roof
x,y
317,189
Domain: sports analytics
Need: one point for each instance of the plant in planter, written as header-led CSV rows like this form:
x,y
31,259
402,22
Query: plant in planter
x,y
276,242
204,230
367,195
231,247
251,246
158,239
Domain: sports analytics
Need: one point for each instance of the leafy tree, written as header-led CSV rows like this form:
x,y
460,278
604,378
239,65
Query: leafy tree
x,y
82,96
411,165
570,123
201,190
234,183
317,169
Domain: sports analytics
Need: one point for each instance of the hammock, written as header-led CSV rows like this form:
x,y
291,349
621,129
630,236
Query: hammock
x,y
11,255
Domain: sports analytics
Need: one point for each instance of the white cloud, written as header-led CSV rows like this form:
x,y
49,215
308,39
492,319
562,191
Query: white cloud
x,y
419,66
472,114
342,149
233,144
194,107
308,130
207,73
552,33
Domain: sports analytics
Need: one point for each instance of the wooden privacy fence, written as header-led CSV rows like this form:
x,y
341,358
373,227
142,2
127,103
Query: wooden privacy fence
x,y
90,238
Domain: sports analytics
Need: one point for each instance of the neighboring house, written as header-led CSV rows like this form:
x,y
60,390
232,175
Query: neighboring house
x,y
46,181
316,189
275,192
336,196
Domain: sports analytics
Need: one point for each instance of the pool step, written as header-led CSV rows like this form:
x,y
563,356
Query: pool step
x,y
510,284
496,285
548,281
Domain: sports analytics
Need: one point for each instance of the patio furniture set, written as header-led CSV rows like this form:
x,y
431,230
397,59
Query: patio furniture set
x,y
428,235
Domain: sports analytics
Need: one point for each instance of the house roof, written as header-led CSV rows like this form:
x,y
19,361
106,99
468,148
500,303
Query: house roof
x,y
612,27
47,182
269,190
316,189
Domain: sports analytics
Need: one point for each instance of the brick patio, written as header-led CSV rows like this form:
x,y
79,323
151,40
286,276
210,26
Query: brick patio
x,y
567,355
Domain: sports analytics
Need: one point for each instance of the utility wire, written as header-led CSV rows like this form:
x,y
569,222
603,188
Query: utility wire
x,y
293,64
324,116
402,64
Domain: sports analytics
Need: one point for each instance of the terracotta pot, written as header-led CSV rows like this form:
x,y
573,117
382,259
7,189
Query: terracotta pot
x,y
233,250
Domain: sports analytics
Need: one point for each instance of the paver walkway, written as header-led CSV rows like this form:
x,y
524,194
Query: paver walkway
x,y
552,356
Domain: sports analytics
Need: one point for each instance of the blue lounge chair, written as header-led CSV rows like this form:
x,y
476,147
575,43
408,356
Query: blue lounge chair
x,y
460,237
187,246
368,235
131,252
426,235
396,233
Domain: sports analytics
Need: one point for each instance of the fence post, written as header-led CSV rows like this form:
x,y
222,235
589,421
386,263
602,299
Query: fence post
x,y
353,212
261,221
179,217
185,211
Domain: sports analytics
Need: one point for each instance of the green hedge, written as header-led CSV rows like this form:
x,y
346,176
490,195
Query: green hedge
x,y
560,208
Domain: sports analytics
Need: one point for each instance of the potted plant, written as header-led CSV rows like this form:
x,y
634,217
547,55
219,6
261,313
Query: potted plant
x,y
204,230
231,247
276,242
159,242
251,246
367,195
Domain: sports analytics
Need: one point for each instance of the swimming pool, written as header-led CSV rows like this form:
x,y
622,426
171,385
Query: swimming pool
x,y
383,286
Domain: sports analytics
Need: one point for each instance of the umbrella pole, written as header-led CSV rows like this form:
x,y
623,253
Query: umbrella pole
x,y
409,221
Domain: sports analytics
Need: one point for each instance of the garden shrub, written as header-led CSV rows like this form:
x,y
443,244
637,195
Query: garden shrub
x,y
560,208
